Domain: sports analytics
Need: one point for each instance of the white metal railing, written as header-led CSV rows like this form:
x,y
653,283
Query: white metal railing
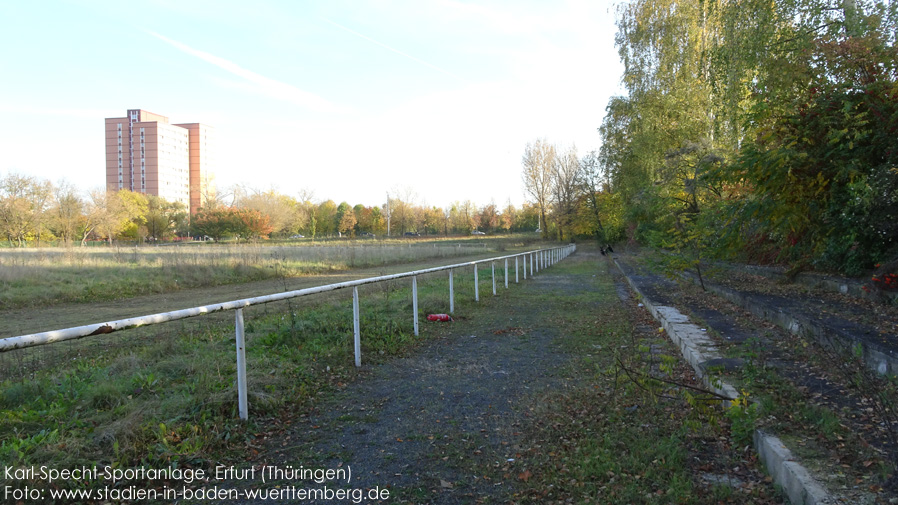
x,y
538,259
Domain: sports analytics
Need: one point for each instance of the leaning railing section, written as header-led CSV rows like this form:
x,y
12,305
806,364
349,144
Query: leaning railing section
x,y
532,261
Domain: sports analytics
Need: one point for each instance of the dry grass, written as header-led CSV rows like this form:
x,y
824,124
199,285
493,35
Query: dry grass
x,y
36,277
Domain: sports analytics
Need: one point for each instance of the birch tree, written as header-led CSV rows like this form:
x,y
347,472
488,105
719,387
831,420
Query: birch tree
x,y
538,162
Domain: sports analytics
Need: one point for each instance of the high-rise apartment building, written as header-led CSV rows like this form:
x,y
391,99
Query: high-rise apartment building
x,y
147,154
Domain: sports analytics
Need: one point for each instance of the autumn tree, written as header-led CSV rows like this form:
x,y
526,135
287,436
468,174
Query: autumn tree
x,y
433,220
24,203
214,222
163,218
488,218
281,209
112,213
538,162
347,220
250,224
565,189
67,212
508,218
326,218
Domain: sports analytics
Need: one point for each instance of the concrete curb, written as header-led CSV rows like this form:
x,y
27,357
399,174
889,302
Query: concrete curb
x,y
697,349
798,484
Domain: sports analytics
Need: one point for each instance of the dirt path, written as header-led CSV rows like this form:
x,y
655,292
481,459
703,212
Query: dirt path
x,y
442,425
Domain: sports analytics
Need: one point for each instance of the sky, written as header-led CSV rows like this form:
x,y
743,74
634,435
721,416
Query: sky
x,y
433,100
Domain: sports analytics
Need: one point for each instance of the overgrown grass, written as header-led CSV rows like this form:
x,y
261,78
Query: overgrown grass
x,y
171,399
37,277
618,436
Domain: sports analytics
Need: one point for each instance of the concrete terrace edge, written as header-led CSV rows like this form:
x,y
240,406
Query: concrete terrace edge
x,y
697,348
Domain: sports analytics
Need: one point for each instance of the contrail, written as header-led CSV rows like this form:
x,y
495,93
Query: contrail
x,y
271,87
397,51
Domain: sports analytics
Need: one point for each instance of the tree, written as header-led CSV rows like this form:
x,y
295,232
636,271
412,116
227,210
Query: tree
x,y
24,201
67,212
347,221
528,218
111,213
250,224
538,161
378,222
433,220
592,181
163,218
281,209
213,222
467,217
565,187
326,218
758,127
489,218
402,211
241,223
134,206
343,209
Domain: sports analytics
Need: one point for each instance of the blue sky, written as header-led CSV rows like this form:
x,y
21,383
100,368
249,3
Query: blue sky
x,y
347,99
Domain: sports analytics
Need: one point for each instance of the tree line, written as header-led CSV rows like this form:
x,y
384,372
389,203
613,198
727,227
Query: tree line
x,y
34,211
758,130
572,194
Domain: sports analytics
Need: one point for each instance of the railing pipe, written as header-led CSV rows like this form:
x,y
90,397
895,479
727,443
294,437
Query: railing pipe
x,y
48,337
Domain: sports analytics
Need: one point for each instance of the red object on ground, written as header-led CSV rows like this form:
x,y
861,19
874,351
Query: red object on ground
x,y
439,317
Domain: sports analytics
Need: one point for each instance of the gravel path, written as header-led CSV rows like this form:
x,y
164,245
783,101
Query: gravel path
x,y
440,425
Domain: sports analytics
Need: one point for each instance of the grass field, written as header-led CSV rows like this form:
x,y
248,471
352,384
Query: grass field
x,y
39,277
169,397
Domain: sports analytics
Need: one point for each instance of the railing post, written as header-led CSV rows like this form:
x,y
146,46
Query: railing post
x,y
415,301
476,285
356,327
451,294
506,273
242,407
493,275
516,277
